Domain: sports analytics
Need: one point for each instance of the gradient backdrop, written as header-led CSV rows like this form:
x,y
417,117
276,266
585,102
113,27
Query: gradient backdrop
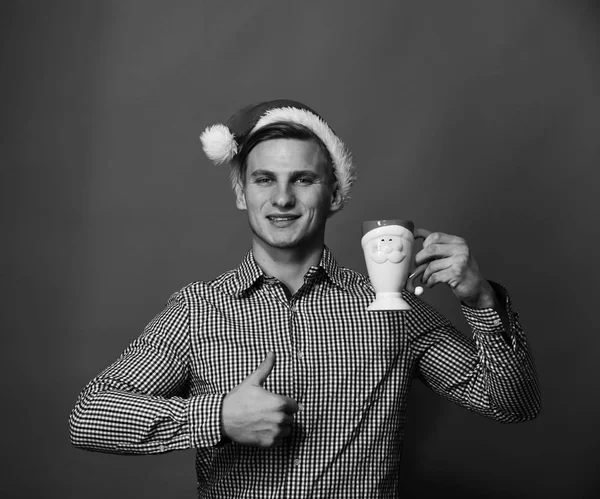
x,y
477,118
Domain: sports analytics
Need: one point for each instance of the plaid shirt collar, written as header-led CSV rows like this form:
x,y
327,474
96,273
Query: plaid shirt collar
x,y
249,273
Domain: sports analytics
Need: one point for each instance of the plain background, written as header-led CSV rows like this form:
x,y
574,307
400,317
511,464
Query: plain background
x,y
477,118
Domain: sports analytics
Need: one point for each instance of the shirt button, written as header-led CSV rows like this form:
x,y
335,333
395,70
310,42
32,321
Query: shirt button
x,y
300,407
497,322
296,462
300,355
162,448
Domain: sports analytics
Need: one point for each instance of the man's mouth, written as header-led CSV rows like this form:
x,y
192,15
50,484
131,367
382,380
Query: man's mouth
x,y
282,221
282,218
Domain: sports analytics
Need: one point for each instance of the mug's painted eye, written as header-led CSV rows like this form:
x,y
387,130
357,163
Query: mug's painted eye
x,y
390,240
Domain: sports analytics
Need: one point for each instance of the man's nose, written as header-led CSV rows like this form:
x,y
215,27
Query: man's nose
x,y
283,195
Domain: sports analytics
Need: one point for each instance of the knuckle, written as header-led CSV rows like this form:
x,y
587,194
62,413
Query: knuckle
x,y
457,272
462,259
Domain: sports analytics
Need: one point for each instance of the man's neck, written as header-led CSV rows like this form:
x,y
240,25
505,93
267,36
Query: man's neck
x,y
289,265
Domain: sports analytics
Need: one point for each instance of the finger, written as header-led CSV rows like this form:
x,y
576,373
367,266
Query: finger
x,y
290,406
267,438
446,276
436,251
442,238
284,419
429,252
279,437
262,372
434,268
421,233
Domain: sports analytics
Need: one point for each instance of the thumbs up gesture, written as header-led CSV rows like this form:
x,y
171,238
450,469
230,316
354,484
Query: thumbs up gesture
x,y
251,415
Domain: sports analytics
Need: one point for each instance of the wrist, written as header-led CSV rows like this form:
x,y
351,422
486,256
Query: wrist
x,y
485,299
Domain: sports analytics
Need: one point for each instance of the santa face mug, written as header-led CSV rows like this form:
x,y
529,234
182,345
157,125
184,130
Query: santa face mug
x,y
388,247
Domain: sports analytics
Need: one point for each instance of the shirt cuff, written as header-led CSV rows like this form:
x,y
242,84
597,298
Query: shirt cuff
x,y
483,320
204,415
488,320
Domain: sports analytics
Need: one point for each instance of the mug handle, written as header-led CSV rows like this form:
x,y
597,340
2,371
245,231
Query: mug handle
x,y
410,286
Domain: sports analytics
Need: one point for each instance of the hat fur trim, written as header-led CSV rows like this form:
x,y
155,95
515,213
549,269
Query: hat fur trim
x,y
344,169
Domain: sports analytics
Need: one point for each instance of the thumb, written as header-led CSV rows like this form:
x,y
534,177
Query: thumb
x,y
262,372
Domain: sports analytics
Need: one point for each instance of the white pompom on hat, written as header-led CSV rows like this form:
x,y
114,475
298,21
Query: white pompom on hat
x,y
222,143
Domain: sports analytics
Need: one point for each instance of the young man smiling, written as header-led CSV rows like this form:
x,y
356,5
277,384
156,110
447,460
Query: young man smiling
x,y
289,190
322,415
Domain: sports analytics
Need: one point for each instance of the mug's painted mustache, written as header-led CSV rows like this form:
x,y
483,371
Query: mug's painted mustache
x,y
380,256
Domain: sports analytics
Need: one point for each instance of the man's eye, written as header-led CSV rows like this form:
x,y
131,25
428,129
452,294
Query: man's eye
x,y
304,180
262,180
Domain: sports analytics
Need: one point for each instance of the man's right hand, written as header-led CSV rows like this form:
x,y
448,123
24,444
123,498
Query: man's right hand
x,y
251,415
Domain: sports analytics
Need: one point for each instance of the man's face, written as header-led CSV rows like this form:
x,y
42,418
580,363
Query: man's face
x,y
288,192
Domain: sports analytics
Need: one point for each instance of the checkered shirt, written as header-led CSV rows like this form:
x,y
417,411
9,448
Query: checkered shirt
x,y
349,370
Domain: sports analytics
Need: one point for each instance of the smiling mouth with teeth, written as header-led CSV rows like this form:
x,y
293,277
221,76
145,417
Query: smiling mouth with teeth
x,y
283,219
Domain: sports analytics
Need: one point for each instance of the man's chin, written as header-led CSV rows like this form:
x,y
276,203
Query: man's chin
x,y
284,244
284,240
281,243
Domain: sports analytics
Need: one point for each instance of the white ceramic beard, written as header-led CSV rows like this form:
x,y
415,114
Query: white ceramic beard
x,y
388,250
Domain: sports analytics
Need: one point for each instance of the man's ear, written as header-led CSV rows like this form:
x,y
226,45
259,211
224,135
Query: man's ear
x,y
240,198
336,200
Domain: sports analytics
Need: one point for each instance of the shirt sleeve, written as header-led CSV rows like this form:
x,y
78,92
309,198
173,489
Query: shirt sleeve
x,y
140,404
484,374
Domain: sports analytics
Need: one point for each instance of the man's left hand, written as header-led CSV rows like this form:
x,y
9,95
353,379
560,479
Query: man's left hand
x,y
447,259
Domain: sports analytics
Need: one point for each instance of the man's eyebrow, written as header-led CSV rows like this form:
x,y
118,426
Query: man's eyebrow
x,y
257,173
308,173
293,173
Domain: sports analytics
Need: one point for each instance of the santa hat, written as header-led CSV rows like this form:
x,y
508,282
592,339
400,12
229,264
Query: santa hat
x,y
222,143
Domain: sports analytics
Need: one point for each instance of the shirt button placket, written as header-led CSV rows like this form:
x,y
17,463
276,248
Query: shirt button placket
x,y
296,340
297,349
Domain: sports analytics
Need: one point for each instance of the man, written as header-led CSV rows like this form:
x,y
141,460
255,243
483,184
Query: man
x,y
275,371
